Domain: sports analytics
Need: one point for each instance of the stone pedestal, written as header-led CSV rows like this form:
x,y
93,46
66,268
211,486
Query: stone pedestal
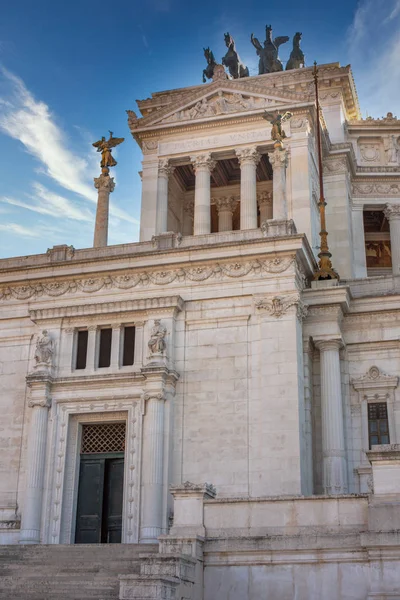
x,y
392,213
164,171
188,508
39,402
279,160
225,207
333,446
203,166
248,159
276,228
105,185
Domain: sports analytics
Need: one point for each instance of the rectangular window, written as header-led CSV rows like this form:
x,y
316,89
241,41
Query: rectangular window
x,y
129,346
81,350
378,424
105,347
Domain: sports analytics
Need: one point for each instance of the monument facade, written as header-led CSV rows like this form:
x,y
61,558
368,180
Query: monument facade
x,y
207,352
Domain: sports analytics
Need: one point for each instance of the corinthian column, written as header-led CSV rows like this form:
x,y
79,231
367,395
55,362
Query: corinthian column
x,y
164,171
32,511
392,213
105,185
333,446
278,160
264,200
225,208
203,166
248,159
153,468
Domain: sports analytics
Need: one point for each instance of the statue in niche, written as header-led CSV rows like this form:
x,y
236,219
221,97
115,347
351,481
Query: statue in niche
x,y
156,342
276,119
269,60
208,72
297,58
392,149
44,350
232,61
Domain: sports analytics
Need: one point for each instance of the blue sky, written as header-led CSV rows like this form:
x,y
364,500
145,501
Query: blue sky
x,y
68,72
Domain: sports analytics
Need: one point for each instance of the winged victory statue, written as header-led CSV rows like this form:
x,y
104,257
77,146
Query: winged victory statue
x,y
276,119
104,146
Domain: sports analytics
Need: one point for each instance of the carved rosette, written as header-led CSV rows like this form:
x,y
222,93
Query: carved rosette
x,y
164,168
278,306
264,198
226,204
104,183
336,165
278,159
203,162
392,211
248,156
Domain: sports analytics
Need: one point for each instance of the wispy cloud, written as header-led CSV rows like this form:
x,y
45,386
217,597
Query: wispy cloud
x,y
395,12
20,230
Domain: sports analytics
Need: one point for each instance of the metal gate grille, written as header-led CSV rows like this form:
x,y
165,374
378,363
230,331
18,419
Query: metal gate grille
x,y
103,437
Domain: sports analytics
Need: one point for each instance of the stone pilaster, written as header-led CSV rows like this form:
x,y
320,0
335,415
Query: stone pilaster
x,y
203,166
116,345
225,208
392,213
360,261
91,358
279,161
333,445
164,172
105,185
248,159
264,200
39,402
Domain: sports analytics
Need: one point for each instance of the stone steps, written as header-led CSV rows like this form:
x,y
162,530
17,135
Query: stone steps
x,y
68,572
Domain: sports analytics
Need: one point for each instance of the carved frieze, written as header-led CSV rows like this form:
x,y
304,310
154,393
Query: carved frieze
x,y
278,306
370,152
376,189
144,278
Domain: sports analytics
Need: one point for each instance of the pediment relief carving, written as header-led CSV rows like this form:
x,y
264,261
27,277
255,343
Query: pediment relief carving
x,y
375,379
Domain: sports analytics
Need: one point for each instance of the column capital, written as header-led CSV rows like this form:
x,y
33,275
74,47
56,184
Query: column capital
x,y
159,396
392,211
41,402
203,162
248,156
226,203
264,198
326,345
278,158
164,168
104,182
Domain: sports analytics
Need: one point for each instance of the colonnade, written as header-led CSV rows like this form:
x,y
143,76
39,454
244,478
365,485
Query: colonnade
x,y
197,218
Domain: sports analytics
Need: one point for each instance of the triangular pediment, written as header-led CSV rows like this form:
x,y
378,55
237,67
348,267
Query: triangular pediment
x,y
221,99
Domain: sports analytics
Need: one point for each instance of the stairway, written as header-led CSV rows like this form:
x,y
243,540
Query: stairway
x,y
68,572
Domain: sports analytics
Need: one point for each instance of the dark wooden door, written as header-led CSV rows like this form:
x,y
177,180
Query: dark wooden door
x,y
100,496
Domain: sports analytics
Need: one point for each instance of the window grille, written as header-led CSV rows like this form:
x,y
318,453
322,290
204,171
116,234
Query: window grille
x,y
378,424
103,437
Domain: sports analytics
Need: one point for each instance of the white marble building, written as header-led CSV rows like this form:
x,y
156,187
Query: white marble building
x,y
206,353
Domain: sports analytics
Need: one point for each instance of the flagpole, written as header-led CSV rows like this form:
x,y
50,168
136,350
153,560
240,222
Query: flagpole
x,y
325,269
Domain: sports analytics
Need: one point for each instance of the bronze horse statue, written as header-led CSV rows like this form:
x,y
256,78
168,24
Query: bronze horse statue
x,y
211,62
269,60
297,58
232,61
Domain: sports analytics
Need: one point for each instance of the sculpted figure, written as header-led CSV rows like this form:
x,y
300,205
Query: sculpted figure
x,y
276,119
232,61
157,340
392,149
44,349
104,146
269,60
211,63
296,59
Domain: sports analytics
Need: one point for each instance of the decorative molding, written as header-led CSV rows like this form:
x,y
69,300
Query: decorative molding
x,y
392,212
144,278
203,162
248,156
264,198
189,488
375,379
225,204
150,146
61,252
216,141
164,168
336,165
279,306
376,189
278,159
104,183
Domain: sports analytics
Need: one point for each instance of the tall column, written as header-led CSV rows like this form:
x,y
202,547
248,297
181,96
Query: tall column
x,y
278,159
225,207
333,446
203,166
248,159
105,185
264,200
164,171
153,468
32,512
392,213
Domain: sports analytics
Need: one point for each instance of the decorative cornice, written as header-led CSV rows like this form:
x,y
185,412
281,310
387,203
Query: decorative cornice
x,y
376,189
193,489
140,279
375,378
280,305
